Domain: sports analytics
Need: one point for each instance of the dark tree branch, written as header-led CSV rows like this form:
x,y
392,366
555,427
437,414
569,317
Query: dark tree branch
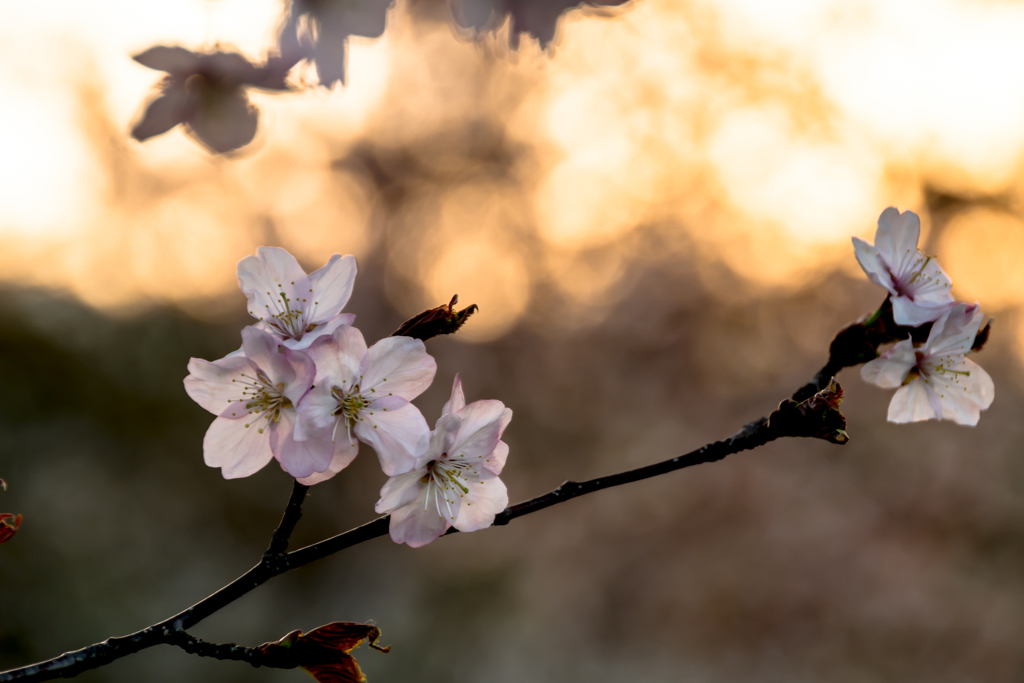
x,y
810,413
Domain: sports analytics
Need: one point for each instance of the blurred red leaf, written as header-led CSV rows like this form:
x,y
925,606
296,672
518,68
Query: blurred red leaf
x,y
8,528
324,652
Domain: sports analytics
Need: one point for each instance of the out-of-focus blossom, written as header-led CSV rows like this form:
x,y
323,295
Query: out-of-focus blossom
x,y
936,380
538,18
296,308
455,483
364,395
205,92
319,30
254,397
919,287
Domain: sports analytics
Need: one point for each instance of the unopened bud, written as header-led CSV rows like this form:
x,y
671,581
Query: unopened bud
x,y
436,321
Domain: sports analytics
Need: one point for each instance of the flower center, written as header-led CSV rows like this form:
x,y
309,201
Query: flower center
x,y
350,404
289,316
263,399
446,479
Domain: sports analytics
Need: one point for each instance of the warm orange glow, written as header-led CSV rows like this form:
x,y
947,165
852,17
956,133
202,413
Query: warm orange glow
x,y
763,134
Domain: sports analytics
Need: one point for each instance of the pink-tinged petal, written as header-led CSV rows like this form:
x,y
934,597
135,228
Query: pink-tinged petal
x,y
339,357
302,372
236,447
896,241
458,400
890,369
441,439
319,332
418,523
332,287
315,413
506,418
912,403
224,124
495,462
217,386
907,312
299,458
398,435
486,498
872,264
401,490
399,366
175,60
161,114
479,431
954,331
344,453
268,275
964,391
928,284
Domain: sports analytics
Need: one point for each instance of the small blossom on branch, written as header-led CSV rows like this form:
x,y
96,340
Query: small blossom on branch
x,y
936,381
363,394
294,307
455,483
254,397
205,93
919,288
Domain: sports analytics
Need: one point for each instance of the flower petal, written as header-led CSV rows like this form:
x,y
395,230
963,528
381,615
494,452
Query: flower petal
x,y
332,287
485,499
339,357
175,60
954,331
315,413
267,278
907,312
890,369
401,490
871,261
911,403
495,462
399,366
217,386
418,523
161,114
236,447
458,400
282,366
479,430
318,332
896,241
399,435
299,458
964,396
344,453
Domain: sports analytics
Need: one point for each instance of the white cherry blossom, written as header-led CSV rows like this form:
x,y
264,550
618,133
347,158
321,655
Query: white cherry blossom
x,y
455,483
363,394
254,397
919,287
295,307
936,380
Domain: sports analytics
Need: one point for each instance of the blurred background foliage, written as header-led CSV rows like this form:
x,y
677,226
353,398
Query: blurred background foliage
x,y
653,213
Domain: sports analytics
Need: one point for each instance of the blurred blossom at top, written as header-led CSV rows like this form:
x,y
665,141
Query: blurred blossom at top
x,y
757,136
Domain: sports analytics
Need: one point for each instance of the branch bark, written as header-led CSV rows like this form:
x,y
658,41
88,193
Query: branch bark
x,y
856,344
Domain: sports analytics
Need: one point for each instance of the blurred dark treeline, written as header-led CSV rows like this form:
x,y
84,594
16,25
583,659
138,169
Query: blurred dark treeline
x,y
897,557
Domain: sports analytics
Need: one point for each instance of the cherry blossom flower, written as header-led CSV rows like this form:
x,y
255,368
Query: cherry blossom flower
x,y
364,395
295,307
936,380
919,287
455,483
205,92
254,397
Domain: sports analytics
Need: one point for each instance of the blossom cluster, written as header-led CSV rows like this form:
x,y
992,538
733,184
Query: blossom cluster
x,y
305,389
933,379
